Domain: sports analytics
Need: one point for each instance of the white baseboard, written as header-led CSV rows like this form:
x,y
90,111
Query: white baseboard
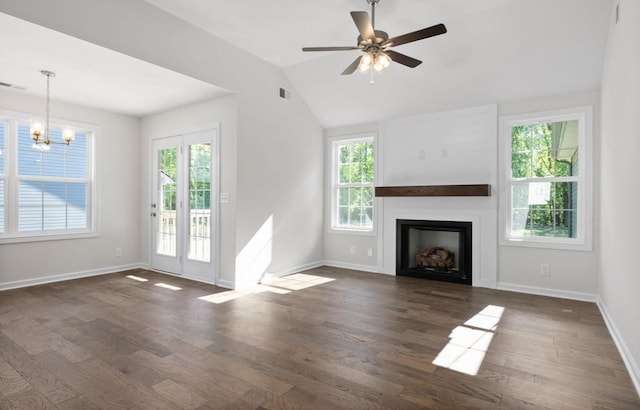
x,y
186,276
225,284
291,271
67,276
555,293
627,357
295,269
353,266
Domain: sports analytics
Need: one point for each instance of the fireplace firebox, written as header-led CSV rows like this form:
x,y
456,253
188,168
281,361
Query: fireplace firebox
x,y
436,250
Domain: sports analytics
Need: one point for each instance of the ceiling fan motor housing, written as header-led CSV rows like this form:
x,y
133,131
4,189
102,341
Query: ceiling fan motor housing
x,y
380,37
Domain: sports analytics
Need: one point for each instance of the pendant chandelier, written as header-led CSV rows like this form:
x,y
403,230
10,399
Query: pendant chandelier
x,y
41,134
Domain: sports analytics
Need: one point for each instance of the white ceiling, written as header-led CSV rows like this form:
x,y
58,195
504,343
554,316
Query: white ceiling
x,y
494,51
90,75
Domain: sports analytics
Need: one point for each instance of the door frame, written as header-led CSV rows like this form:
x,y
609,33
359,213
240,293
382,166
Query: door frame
x,y
214,129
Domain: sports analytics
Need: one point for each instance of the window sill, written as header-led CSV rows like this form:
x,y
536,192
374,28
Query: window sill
x,y
347,231
547,244
14,239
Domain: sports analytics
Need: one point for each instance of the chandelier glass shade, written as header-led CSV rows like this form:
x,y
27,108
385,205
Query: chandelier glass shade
x,y
41,132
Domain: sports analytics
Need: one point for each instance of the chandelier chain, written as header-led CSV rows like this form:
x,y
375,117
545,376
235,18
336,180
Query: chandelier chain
x,y
48,110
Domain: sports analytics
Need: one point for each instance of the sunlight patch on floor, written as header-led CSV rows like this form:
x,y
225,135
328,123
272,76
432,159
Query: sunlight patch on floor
x,y
487,318
469,343
297,281
167,286
139,279
226,296
280,286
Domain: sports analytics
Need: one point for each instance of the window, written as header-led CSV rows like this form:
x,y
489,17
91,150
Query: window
x,y
44,194
547,179
352,184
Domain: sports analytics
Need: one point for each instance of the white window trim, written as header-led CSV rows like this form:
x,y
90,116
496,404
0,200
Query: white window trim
x,y
332,177
584,240
11,234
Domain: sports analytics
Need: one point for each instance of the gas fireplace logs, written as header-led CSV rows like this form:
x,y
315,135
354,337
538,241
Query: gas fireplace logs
x,y
436,258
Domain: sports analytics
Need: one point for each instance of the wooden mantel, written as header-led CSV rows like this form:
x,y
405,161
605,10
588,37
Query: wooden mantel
x,y
435,190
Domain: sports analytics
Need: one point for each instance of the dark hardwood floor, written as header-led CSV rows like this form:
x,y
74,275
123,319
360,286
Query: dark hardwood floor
x,y
326,339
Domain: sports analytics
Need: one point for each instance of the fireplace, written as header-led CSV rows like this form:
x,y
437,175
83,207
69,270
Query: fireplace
x,y
436,250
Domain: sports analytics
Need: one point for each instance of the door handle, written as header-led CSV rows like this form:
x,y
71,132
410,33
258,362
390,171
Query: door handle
x,y
153,214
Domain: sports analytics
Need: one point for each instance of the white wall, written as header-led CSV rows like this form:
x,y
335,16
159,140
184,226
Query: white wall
x,y
279,143
117,168
573,273
224,112
619,275
280,191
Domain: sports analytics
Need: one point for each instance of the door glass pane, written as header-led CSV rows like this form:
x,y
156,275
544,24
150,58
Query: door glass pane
x,y
166,218
200,202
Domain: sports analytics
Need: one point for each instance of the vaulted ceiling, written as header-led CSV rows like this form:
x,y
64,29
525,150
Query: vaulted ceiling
x,y
494,51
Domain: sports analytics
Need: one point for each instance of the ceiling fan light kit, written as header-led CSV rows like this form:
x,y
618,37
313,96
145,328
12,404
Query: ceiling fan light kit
x,y
376,44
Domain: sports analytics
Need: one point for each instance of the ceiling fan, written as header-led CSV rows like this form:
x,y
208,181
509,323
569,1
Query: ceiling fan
x,y
376,44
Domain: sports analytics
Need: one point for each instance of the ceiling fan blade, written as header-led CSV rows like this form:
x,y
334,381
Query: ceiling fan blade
x,y
352,67
416,35
329,48
363,22
403,59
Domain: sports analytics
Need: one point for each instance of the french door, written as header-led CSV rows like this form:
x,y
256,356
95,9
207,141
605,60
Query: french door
x,y
183,205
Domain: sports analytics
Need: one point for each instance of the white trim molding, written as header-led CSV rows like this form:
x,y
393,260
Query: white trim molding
x,y
353,266
632,367
554,293
43,280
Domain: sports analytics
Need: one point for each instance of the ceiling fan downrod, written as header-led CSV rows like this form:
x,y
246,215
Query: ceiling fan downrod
x,y
373,4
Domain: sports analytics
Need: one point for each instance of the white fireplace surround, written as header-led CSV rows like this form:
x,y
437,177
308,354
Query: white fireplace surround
x,y
484,239
446,148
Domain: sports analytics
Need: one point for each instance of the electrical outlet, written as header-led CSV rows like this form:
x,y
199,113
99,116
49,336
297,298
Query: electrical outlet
x,y
544,269
369,252
118,251
353,250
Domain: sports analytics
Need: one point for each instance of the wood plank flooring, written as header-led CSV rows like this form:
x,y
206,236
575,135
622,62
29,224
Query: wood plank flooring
x,y
325,339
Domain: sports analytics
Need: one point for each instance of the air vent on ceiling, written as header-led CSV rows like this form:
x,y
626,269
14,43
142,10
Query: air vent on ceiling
x,y
285,94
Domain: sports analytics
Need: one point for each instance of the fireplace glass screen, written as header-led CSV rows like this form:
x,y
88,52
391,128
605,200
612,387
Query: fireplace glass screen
x,y
437,250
